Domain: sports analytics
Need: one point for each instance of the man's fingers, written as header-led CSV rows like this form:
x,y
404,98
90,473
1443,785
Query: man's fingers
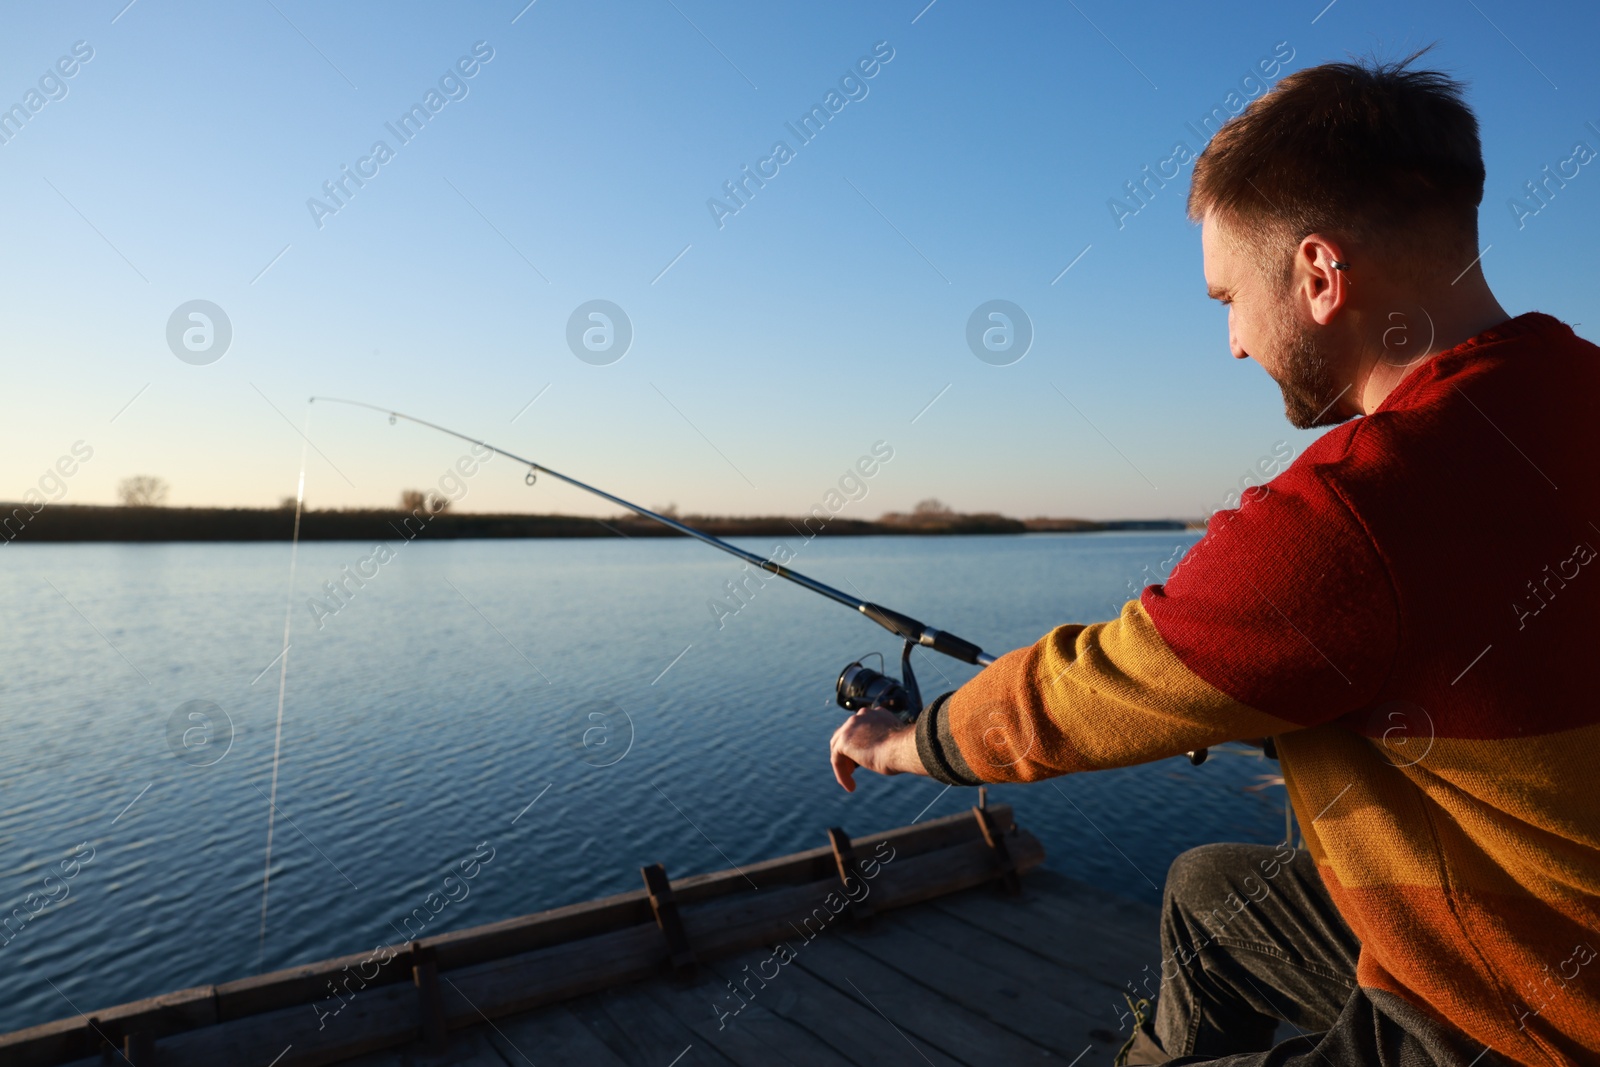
x,y
844,770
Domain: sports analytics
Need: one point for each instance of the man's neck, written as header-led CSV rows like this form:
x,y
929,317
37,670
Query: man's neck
x,y
1455,313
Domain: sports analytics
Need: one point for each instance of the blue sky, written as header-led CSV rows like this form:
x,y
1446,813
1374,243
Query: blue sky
x,y
768,353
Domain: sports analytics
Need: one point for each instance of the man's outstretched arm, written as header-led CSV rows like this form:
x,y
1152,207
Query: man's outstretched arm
x,y
1282,617
1082,698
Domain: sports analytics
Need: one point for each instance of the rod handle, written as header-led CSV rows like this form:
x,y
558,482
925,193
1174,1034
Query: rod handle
x,y
899,625
912,630
951,645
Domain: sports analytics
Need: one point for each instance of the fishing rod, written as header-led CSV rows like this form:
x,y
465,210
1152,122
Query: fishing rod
x,y
858,686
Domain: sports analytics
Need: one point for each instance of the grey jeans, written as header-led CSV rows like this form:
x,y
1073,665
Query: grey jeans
x,y
1250,939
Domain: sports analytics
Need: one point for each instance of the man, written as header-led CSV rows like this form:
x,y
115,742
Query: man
x,y
1408,611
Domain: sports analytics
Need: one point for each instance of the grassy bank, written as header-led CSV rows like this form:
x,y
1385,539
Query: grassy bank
x,y
67,523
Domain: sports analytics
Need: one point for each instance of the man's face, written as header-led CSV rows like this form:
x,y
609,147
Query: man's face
x,y
1266,324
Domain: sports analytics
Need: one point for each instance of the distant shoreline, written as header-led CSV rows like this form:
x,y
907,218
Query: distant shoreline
x,y
69,523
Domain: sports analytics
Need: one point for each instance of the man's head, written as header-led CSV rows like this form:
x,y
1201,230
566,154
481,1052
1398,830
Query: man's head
x,y
1346,195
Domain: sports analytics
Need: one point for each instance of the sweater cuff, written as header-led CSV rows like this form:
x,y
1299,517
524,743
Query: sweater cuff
x,y
936,746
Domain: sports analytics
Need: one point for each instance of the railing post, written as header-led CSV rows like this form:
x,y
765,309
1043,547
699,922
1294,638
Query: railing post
x,y
430,1005
844,858
996,840
665,909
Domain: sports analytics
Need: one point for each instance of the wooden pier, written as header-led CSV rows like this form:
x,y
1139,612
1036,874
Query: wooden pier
x,y
939,944
972,978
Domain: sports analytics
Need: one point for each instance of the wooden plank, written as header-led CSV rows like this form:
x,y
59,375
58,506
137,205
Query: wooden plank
x,y
1108,907
51,1043
476,1048
560,972
391,1058
754,1036
295,1037
855,1033
470,1048
1061,983
551,1036
525,933
643,1031
1110,942
1010,987
309,983
71,1038
279,1042
1125,924
920,1013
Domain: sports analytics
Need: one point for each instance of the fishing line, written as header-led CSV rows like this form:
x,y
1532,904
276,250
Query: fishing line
x,y
283,679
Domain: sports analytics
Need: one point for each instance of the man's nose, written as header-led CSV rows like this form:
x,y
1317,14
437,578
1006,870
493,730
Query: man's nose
x,y
1234,346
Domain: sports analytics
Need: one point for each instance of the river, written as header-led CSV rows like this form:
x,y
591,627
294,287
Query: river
x,y
554,713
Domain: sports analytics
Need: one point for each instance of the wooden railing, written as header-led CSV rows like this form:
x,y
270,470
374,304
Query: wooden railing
x,y
418,991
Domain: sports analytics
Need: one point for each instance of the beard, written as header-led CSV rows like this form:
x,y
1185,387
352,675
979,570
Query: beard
x,y
1305,377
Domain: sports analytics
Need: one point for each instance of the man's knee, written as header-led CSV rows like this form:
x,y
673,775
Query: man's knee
x,y
1208,873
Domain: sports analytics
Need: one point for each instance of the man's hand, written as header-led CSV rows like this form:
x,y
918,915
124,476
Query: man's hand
x,y
874,739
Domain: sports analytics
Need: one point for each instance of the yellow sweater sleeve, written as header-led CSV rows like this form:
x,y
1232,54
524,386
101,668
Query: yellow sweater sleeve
x,y
1082,698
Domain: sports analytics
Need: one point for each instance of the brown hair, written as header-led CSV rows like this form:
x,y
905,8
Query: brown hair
x,y
1374,150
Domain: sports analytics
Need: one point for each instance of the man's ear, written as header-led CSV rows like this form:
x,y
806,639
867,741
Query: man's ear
x,y
1321,276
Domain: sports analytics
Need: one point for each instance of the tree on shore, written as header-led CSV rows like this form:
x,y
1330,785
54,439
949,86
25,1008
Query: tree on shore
x,y
930,512
142,491
415,500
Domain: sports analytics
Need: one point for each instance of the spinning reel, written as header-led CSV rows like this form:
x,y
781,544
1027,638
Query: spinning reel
x,y
860,687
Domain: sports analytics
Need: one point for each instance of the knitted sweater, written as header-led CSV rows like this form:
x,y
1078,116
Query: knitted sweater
x,y
1410,611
